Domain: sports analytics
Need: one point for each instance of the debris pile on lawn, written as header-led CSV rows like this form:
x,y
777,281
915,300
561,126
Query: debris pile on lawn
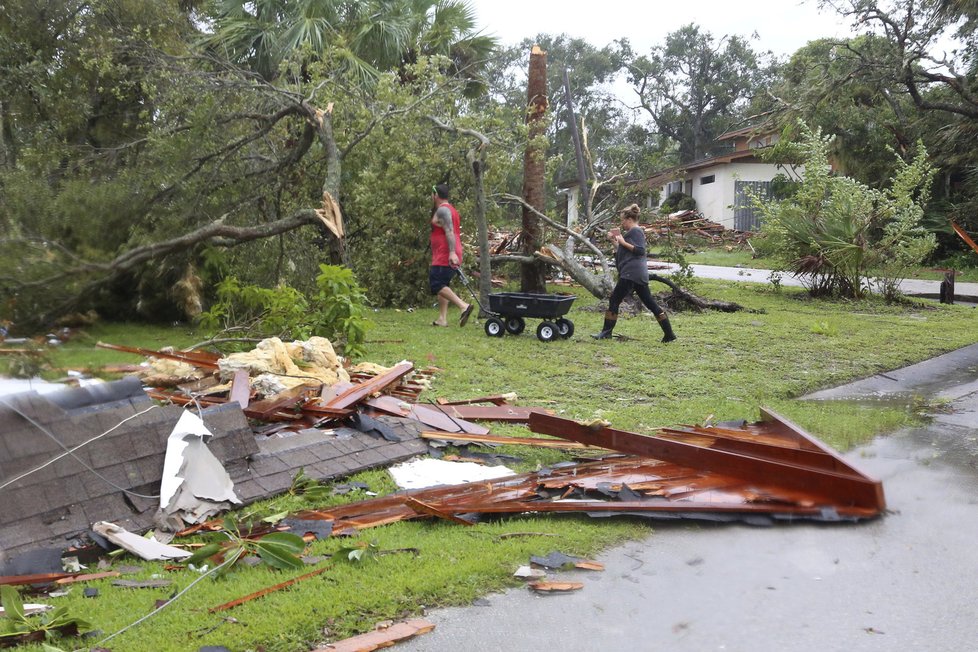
x,y
758,473
102,462
682,225
79,456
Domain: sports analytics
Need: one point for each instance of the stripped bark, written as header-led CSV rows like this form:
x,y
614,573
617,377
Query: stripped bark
x,y
601,285
532,277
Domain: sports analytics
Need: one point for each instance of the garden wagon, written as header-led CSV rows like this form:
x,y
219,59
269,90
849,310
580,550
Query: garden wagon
x,y
508,312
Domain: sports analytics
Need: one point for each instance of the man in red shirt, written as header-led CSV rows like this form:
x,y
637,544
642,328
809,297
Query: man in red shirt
x,y
446,256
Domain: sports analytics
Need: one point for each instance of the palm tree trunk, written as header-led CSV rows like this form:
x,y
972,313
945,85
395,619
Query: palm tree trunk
x,y
532,275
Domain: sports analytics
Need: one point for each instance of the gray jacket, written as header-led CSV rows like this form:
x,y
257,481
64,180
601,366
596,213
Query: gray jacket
x,y
633,265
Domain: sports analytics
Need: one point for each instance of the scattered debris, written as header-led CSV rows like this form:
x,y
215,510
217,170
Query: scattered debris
x,y
148,549
144,584
555,587
30,609
558,560
682,225
195,485
433,473
771,470
263,418
90,577
266,591
528,572
463,438
380,638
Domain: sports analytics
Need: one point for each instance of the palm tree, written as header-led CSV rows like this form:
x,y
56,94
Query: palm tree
x,y
447,28
364,37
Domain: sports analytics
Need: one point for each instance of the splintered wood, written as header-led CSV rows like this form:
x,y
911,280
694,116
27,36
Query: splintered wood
x,y
380,638
771,468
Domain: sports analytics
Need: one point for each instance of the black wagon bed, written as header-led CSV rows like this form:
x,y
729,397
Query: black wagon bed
x,y
508,310
526,304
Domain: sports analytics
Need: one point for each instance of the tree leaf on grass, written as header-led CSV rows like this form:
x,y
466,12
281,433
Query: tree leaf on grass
x,y
205,552
281,550
13,606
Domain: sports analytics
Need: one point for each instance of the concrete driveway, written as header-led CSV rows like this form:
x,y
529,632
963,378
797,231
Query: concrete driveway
x,y
907,581
914,287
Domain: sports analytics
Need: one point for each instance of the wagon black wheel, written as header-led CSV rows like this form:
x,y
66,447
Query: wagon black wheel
x,y
565,327
547,331
494,327
515,325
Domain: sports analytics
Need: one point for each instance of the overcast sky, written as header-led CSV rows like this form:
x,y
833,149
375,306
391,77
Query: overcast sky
x,y
781,26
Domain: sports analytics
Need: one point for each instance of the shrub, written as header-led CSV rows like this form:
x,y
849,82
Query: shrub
x,y
833,230
337,311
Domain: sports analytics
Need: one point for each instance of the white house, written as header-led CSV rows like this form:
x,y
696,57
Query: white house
x,y
720,184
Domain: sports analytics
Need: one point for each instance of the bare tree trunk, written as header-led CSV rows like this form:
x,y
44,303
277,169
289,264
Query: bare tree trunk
x,y
601,284
477,159
8,149
532,275
578,150
334,168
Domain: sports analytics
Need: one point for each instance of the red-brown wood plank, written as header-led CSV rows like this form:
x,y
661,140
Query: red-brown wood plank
x,y
841,490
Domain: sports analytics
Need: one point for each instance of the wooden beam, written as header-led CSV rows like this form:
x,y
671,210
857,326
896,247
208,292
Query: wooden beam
x,y
840,490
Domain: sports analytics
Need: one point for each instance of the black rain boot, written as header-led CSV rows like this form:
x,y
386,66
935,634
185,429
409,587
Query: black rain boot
x,y
610,319
668,335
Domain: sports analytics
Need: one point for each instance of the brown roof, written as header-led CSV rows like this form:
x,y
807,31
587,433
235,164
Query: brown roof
x,y
680,171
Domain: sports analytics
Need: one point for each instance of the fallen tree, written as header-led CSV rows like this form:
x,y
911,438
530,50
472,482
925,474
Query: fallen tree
x,y
599,284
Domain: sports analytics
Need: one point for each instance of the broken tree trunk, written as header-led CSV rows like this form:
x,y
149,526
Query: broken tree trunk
x,y
532,276
601,285
680,294
216,234
578,150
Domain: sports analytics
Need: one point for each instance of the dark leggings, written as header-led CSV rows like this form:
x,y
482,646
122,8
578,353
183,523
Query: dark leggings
x,y
624,287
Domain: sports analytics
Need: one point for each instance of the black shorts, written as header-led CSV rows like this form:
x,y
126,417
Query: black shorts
x,y
439,276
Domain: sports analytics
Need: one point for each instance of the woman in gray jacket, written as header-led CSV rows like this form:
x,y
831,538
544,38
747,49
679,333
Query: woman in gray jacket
x,y
633,274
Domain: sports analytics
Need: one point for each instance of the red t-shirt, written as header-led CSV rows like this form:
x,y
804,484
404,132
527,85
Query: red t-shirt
x,y
439,242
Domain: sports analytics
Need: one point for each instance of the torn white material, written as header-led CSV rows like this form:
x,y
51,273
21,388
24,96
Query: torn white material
x,y
195,485
148,549
30,609
528,573
433,473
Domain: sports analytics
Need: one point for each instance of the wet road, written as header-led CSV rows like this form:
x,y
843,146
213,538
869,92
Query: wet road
x,y
908,581
914,287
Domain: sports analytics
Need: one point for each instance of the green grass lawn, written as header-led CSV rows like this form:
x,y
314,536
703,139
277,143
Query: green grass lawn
x,y
724,365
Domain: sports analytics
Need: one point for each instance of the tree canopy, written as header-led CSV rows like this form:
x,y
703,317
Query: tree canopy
x,y
151,148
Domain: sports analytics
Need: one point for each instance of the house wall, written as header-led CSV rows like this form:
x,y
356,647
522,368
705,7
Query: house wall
x,y
716,200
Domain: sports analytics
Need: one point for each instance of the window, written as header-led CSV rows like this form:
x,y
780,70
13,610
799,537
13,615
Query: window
x,y
708,179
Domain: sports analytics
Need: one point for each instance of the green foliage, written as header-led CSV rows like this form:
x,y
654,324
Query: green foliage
x,y
279,550
15,624
677,201
309,488
359,551
824,328
362,38
723,364
693,84
258,312
834,230
340,309
835,87
337,310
